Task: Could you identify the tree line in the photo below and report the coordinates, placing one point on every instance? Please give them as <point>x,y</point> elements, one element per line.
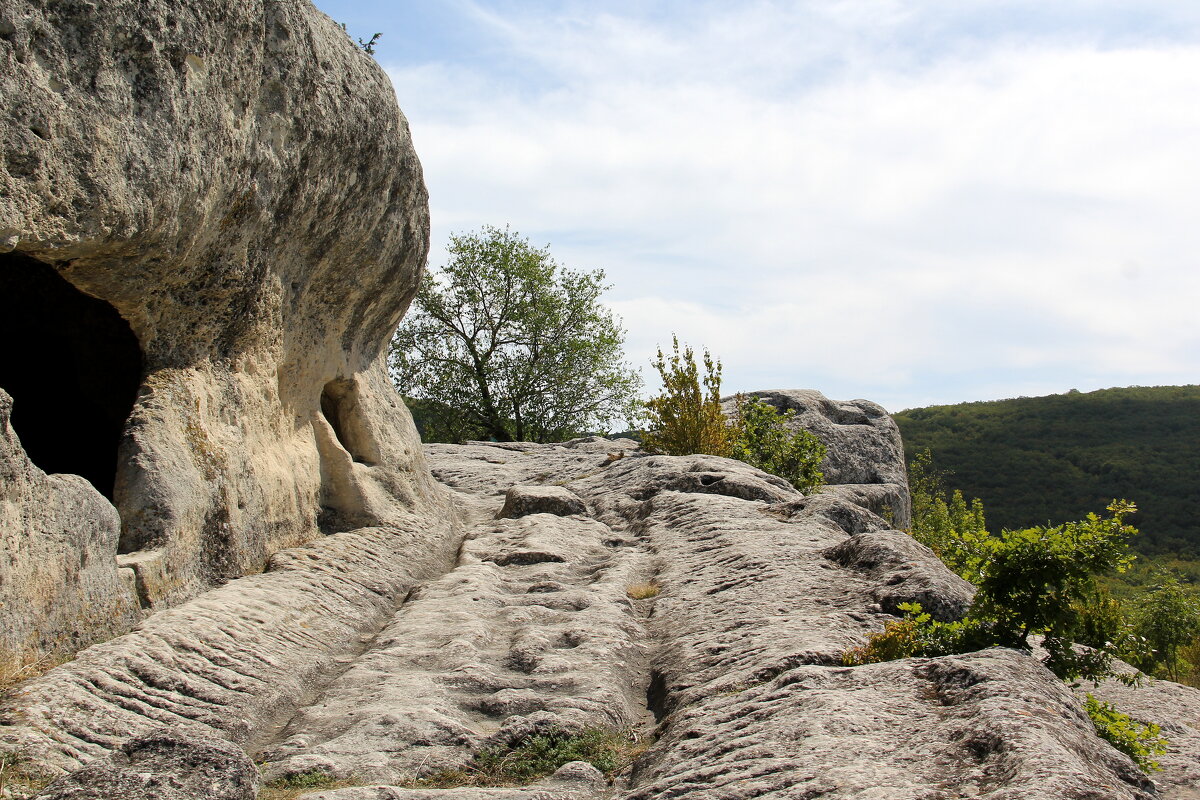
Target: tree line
<point>1032,460</point>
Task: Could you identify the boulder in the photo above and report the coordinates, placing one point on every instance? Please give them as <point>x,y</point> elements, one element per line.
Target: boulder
<point>522,500</point>
<point>905,571</point>
<point>211,220</point>
<point>165,764</point>
<point>862,442</point>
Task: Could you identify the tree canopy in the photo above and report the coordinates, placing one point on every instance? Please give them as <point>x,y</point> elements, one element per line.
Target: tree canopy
<point>1036,459</point>
<point>502,343</point>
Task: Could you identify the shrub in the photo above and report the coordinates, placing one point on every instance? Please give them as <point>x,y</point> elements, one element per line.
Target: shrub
<point>943,521</point>
<point>685,418</point>
<point>1037,581</point>
<point>1141,742</point>
<point>762,437</point>
<point>1168,618</point>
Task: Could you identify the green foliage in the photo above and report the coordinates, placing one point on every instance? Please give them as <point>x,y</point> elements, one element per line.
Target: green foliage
<point>685,418</point>
<point>1167,617</point>
<point>504,344</point>
<point>538,756</point>
<point>764,439</point>
<point>312,779</point>
<point>368,46</point>
<point>1140,742</point>
<point>1034,579</point>
<point>1034,459</point>
<point>956,532</point>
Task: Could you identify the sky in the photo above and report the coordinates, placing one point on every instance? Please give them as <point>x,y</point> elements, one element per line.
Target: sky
<point>915,203</point>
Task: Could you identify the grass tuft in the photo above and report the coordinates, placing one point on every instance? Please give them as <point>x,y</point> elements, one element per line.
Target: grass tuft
<point>292,786</point>
<point>20,778</point>
<point>538,756</point>
<point>643,591</point>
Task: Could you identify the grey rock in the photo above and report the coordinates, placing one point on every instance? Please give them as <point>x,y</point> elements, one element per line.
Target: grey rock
<point>905,571</point>
<point>1176,710</point>
<point>60,587</point>
<point>234,183</point>
<point>863,445</point>
<point>165,764</point>
<point>236,662</point>
<point>520,501</point>
<point>348,658</point>
<point>994,724</point>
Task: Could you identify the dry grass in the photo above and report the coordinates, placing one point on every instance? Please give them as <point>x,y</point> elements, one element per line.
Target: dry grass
<point>14,672</point>
<point>643,591</point>
<point>20,778</point>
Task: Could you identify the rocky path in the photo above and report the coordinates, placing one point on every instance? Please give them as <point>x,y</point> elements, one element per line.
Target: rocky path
<point>361,658</point>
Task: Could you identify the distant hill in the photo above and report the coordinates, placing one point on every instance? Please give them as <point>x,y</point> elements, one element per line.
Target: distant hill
<point>1037,459</point>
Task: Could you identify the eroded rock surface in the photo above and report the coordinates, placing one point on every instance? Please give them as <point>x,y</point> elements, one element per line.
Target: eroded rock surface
<point>211,219</point>
<point>60,589</point>
<point>165,764</point>
<point>864,460</point>
<point>349,660</point>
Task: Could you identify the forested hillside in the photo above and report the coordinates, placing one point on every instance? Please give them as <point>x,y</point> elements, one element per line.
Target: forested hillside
<point>1033,460</point>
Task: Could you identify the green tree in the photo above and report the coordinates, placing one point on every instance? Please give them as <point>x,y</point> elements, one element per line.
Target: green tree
<point>764,438</point>
<point>1168,618</point>
<point>1033,581</point>
<point>955,531</point>
<point>503,343</point>
<point>685,418</point>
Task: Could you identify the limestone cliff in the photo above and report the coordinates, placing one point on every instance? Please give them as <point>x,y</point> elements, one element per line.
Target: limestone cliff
<point>211,219</point>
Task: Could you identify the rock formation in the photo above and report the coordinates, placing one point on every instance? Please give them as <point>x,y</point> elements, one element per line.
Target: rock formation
<point>349,660</point>
<point>211,219</point>
<point>864,460</point>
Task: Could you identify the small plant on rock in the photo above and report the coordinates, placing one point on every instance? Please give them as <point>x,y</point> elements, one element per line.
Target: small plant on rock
<point>643,591</point>
<point>538,756</point>
<point>19,777</point>
<point>685,418</point>
<point>1141,742</point>
<point>292,786</point>
<point>763,438</point>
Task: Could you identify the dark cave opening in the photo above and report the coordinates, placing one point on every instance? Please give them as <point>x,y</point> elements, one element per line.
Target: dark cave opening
<point>72,366</point>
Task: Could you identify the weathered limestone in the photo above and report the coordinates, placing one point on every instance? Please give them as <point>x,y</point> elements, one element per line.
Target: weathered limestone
<point>165,764</point>
<point>520,501</point>
<point>60,589</point>
<point>864,462</point>
<point>234,183</point>
<point>349,659</point>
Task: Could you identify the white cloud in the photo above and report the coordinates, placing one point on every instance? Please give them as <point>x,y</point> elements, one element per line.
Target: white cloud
<point>823,205</point>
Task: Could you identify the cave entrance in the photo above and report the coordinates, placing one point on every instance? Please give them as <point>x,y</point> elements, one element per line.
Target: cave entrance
<point>72,366</point>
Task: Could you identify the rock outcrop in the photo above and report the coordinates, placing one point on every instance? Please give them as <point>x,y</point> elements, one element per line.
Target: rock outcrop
<point>864,460</point>
<point>163,765</point>
<point>349,661</point>
<point>211,219</point>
